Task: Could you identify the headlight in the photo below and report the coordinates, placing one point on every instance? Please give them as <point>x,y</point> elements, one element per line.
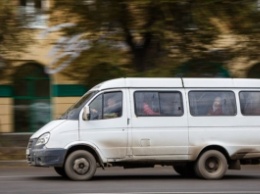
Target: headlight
<point>43,139</point>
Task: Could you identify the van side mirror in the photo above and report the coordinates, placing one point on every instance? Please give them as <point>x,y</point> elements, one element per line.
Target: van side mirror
<point>85,115</point>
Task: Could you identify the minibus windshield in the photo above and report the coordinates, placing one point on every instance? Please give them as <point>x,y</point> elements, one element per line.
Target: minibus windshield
<point>73,112</point>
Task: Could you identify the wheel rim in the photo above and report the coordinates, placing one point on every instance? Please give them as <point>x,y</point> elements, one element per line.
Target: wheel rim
<point>212,164</point>
<point>81,166</point>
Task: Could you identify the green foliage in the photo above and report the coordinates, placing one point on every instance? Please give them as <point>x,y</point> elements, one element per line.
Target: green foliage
<point>84,67</point>
<point>254,72</point>
<point>102,72</point>
<point>13,37</point>
<point>158,33</point>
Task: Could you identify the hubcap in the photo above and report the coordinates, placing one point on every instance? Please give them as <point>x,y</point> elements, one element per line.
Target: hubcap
<point>212,164</point>
<point>81,166</point>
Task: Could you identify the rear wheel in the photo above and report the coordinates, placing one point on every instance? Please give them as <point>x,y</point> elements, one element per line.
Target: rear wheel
<point>80,165</point>
<point>212,164</point>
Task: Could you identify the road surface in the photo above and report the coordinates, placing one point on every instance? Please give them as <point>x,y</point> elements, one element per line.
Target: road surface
<point>158,180</point>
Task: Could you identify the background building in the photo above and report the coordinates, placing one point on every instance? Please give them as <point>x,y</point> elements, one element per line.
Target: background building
<point>34,92</point>
<point>29,95</point>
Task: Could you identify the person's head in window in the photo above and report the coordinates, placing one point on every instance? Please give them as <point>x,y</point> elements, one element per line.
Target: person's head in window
<point>110,102</point>
<point>113,105</point>
<point>216,108</point>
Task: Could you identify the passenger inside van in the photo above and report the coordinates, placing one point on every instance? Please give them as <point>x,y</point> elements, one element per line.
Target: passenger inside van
<point>148,110</point>
<point>105,106</point>
<point>112,109</point>
<point>216,108</point>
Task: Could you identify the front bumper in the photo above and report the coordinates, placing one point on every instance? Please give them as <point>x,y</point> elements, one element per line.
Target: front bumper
<point>45,157</point>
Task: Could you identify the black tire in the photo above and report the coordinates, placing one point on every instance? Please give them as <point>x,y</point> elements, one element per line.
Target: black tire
<point>60,171</point>
<point>212,165</point>
<point>186,170</point>
<point>80,165</point>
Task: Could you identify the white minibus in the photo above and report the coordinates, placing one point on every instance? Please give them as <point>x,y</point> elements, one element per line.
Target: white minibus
<point>200,126</point>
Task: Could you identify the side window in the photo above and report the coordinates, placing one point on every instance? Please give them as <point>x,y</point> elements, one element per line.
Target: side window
<point>250,102</point>
<point>171,104</point>
<point>146,103</point>
<point>112,105</point>
<point>158,103</point>
<point>105,106</point>
<point>212,103</point>
<point>96,108</point>
<point>35,12</point>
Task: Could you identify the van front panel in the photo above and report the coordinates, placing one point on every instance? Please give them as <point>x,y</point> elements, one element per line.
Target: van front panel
<point>107,128</point>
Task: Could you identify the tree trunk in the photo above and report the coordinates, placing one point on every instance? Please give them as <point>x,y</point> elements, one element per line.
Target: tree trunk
<point>139,59</point>
<point>145,54</point>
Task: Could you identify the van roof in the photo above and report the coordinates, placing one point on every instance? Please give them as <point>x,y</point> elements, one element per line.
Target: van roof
<point>130,82</point>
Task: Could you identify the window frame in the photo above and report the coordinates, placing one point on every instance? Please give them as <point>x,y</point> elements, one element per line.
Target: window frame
<point>240,103</point>
<point>158,92</point>
<point>208,91</point>
<point>102,106</point>
<point>35,10</point>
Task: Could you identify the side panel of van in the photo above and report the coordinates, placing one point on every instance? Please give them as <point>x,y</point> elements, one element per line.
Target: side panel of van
<point>160,137</point>
<point>109,135</point>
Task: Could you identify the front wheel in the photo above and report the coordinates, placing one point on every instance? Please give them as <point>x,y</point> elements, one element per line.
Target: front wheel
<point>212,164</point>
<point>80,165</point>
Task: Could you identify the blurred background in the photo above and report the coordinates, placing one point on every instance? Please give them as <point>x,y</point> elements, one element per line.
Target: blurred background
<point>53,51</point>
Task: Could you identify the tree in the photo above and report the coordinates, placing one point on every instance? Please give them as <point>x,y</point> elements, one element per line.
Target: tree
<point>163,30</point>
<point>13,37</point>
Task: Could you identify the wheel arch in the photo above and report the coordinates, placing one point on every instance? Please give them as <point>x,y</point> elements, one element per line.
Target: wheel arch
<point>215,147</point>
<point>88,148</point>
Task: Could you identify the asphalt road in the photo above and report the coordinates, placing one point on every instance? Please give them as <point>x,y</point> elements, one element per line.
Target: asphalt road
<point>32,180</point>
